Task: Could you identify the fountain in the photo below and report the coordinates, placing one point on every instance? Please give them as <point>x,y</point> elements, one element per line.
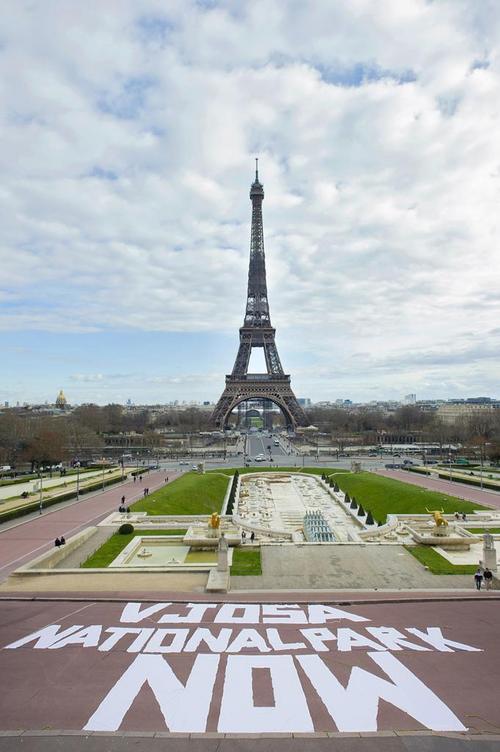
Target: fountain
<point>438,532</point>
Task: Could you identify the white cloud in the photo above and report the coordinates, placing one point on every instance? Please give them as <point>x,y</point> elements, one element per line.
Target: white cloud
<point>127,145</point>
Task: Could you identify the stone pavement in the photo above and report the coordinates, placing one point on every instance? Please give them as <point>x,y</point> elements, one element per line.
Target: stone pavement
<point>382,567</point>
<point>76,558</point>
<point>111,583</point>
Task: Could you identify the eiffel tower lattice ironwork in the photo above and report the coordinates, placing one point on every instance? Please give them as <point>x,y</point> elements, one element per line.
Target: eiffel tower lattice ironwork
<point>258,332</point>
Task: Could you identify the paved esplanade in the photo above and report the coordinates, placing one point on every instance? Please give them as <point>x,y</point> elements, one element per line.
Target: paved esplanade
<point>259,667</point>
<point>25,538</point>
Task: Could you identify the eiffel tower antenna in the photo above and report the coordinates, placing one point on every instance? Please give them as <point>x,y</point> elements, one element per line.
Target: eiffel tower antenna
<point>257,331</point>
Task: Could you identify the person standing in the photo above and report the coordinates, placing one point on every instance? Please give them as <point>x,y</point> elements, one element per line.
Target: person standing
<point>478,578</point>
<point>488,577</point>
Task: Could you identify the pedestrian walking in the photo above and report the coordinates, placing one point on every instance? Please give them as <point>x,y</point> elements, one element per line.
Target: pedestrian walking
<point>457,516</point>
<point>145,492</point>
<point>464,517</point>
<point>252,537</point>
<point>243,536</point>
<point>478,578</point>
<point>135,479</point>
<point>488,577</point>
<point>140,478</point>
<point>123,499</point>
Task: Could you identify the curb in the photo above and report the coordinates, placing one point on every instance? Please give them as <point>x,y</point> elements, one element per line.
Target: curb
<point>465,736</point>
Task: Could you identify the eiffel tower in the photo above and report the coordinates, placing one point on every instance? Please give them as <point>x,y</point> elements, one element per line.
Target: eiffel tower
<point>258,332</point>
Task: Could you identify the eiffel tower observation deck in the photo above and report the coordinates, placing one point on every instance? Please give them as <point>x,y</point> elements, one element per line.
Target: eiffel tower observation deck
<point>257,331</point>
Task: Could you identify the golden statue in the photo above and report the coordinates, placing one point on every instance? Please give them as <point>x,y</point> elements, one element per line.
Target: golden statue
<point>438,517</point>
<point>214,521</point>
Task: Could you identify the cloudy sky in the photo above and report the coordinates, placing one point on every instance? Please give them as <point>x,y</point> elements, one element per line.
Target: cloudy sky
<point>128,132</point>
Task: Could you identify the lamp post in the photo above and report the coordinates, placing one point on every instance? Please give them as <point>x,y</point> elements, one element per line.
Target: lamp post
<point>40,502</point>
<point>103,474</point>
<point>123,468</point>
<point>77,479</point>
<point>449,463</point>
<point>481,464</point>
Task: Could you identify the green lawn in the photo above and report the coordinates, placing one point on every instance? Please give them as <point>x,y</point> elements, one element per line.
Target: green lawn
<point>114,545</point>
<point>192,493</point>
<point>245,562</point>
<point>436,563</point>
<point>385,496</point>
<point>483,530</point>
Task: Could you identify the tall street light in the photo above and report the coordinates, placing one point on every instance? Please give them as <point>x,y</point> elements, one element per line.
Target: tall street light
<point>40,502</point>
<point>77,465</point>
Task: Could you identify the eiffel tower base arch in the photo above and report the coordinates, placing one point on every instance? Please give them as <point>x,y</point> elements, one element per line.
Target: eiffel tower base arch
<point>276,389</point>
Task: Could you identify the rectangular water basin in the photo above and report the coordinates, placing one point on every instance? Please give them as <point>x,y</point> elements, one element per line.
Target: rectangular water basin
<point>157,551</point>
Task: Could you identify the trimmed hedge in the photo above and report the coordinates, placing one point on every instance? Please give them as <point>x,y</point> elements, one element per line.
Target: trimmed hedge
<point>471,481</point>
<point>476,482</point>
<point>126,529</point>
<point>142,471</point>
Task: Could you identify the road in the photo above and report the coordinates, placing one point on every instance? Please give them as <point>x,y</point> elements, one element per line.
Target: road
<point>25,538</point>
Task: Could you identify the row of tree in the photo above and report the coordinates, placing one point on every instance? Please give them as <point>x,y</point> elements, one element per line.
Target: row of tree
<point>36,439</point>
<point>481,430</point>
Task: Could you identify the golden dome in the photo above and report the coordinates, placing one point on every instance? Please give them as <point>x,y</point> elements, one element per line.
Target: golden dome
<point>61,400</point>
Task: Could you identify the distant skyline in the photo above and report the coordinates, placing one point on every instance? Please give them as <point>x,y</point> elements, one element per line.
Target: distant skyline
<point>128,138</point>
